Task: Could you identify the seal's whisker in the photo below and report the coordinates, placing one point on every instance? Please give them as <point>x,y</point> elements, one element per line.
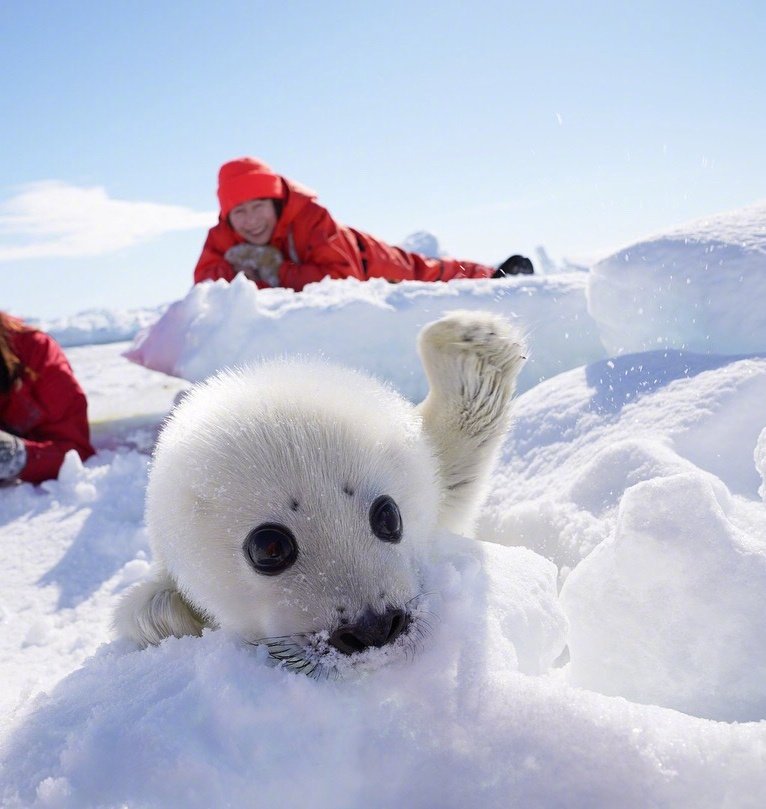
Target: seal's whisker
<point>424,622</point>
<point>422,630</point>
<point>421,595</point>
<point>279,638</point>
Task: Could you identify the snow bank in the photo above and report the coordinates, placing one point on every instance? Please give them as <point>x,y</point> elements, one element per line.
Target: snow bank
<point>696,288</point>
<point>201,723</point>
<point>699,287</point>
<point>370,326</point>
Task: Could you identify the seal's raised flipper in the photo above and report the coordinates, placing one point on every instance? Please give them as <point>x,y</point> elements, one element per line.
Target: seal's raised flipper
<point>471,360</point>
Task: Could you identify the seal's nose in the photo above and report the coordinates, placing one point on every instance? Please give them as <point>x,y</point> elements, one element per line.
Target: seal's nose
<point>371,629</point>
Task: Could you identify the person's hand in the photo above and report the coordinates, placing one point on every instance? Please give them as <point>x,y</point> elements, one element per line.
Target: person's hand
<point>256,262</point>
<point>13,455</point>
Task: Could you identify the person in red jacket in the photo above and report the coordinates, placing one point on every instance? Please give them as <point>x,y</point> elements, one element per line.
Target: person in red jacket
<point>274,231</point>
<point>43,410</point>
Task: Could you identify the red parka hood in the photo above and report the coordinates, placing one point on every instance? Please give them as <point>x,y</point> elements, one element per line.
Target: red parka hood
<point>249,178</point>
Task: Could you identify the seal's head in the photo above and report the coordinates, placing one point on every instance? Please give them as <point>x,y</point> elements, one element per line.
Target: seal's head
<point>294,498</point>
<point>289,502</point>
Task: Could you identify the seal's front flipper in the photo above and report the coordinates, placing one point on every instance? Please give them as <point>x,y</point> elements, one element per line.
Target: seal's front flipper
<point>472,360</point>
<point>154,610</point>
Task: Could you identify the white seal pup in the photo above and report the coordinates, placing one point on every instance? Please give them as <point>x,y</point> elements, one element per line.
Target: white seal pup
<point>291,501</point>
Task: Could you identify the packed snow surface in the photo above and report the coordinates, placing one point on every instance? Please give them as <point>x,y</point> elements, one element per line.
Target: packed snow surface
<point>600,645</point>
<point>693,287</point>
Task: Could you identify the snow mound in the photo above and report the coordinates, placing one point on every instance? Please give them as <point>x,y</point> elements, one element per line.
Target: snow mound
<point>578,442</point>
<point>640,478</point>
<point>186,723</point>
<point>423,242</point>
<point>670,610</point>
<point>698,287</point>
<point>370,326</point>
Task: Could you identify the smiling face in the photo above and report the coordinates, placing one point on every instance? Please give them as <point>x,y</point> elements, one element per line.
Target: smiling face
<point>254,220</point>
<point>281,508</point>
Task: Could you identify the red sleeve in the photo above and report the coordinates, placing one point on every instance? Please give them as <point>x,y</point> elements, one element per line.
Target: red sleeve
<point>212,265</point>
<point>63,418</point>
<point>324,248</point>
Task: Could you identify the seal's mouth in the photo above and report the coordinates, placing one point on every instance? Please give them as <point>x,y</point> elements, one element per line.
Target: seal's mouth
<point>328,654</point>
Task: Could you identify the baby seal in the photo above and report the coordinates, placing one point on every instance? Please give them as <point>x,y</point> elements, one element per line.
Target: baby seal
<point>292,501</point>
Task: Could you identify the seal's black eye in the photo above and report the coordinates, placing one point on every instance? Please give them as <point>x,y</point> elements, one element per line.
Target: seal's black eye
<point>385,519</point>
<point>271,548</point>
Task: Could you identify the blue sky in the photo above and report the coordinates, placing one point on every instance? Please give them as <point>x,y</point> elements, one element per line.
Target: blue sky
<point>498,126</point>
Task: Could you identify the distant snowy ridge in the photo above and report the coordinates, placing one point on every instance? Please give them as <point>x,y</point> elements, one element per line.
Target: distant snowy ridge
<point>427,244</point>
<point>98,326</point>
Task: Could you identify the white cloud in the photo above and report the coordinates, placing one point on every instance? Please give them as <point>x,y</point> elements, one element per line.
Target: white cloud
<point>52,219</point>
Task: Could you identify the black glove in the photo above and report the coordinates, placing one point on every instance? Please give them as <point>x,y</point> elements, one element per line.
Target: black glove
<point>257,262</point>
<point>515,265</point>
<point>13,456</point>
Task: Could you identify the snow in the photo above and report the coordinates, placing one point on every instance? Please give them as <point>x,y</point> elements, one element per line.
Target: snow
<point>682,583</point>
<point>369,325</point>
<point>601,645</point>
<point>423,242</point>
<point>98,325</point>
<point>692,287</point>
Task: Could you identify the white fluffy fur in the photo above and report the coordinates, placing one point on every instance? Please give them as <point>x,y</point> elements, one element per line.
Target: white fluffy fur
<point>243,448</point>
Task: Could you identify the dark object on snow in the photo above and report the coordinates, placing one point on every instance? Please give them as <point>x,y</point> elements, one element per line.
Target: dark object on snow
<point>515,265</point>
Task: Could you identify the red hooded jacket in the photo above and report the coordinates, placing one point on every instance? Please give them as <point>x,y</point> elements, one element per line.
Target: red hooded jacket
<point>313,244</point>
<point>45,407</point>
